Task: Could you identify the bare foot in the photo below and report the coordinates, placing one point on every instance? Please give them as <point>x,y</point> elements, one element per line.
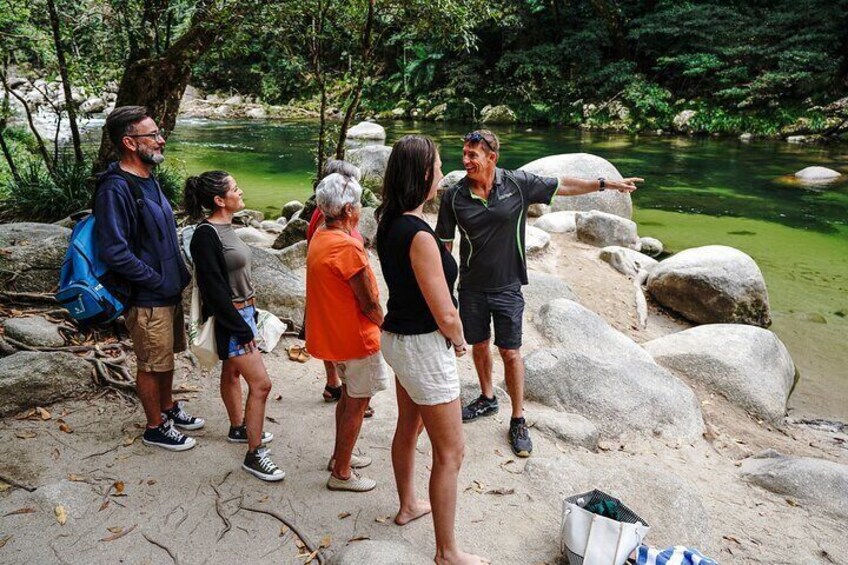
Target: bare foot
<point>461,558</point>
<point>407,515</point>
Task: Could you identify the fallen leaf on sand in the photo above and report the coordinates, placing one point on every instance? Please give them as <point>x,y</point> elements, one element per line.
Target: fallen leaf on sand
<point>116,529</point>
<point>299,543</point>
<point>343,515</point>
<point>61,515</point>
<point>128,441</point>
<point>44,414</point>
<point>358,538</point>
<point>272,419</point>
<point>119,486</point>
<point>284,530</point>
<point>151,482</point>
<point>4,486</point>
<point>278,397</point>
<point>501,491</point>
<point>381,519</point>
<point>76,478</point>
<point>476,486</point>
<point>66,428</point>
<point>791,502</point>
<point>4,540</point>
<point>31,413</point>
<point>325,542</point>
<point>120,534</point>
<point>19,511</point>
<point>25,434</point>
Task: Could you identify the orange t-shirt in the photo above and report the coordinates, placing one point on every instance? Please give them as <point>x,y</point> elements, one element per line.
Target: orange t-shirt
<point>336,329</point>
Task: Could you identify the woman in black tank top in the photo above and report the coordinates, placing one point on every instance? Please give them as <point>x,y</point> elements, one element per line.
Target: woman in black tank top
<point>422,336</point>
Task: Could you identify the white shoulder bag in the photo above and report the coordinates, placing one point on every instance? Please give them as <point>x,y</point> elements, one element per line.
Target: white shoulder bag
<point>201,334</point>
<point>591,539</point>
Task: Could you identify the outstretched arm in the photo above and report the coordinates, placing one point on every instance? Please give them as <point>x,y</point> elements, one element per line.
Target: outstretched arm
<point>569,186</point>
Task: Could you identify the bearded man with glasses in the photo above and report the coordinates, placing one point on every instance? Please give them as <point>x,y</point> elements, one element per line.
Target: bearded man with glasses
<point>137,240</point>
<point>489,206</point>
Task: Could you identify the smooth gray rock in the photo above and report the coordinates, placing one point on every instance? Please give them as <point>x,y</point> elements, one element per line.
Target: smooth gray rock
<point>34,331</point>
<point>367,130</point>
<point>817,174</point>
<point>669,503</point>
<point>290,208</point>
<point>368,226</point>
<point>271,226</point>
<point>821,485</point>
<point>253,236</point>
<point>543,288</point>
<point>293,232</point>
<point>601,230</point>
<point>535,240</point>
<point>282,220</point>
<point>599,373</point>
<point>651,246</point>
<point>256,113</point>
<point>712,284</point>
<point>379,552</point>
<point>501,114</point>
<point>278,289</point>
<point>246,216</point>
<point>31,256</point>
<point>371,161</point>
<point>557,222</point>
<point>34,378</point>
<point>748,365</point>
<point>293,256</point>
<point>573,429</point>
<point>583,166</point>
<point>682,120</point>
<point>627,261</point>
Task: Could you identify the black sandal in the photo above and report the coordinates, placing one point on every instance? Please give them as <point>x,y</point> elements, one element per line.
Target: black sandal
<point>332,393</point>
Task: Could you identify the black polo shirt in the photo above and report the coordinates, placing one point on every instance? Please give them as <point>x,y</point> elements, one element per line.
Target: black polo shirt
<point>491,249</point>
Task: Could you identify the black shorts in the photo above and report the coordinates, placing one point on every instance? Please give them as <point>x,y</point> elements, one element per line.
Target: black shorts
<point>505,308</point>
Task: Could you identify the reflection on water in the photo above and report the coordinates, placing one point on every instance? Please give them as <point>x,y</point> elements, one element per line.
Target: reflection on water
<point>698,191</point>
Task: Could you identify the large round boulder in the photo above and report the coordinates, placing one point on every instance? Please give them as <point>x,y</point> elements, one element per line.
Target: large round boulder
<point>371,161</point>
<point>501,114</point>
<point>367,130</point>
<point>651,246</point>
<point>819,484</point>
<point>543,288</point>
<point>290,208</point>
<point>278,289</point>
<point>368,226</point>
<point>34,378</point>
<point>601,229</point>
<point>711,285</point>
<point>293,232</point>
<point>601,374</point>
<point>573,429</point>
<point>253,236</point>
<point>31,256</point>
<point>748,365</point>
<point>535,240</point>
<point>583,166</point>
<point>34,331</point>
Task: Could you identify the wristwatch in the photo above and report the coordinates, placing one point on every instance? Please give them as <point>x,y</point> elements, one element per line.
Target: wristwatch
<point>602,184</point>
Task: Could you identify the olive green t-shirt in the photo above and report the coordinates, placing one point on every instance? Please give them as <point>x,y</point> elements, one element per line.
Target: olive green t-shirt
<point>237,257</point>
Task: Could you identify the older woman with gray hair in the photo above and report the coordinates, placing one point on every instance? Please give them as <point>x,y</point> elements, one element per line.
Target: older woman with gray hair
<point>343,318</point>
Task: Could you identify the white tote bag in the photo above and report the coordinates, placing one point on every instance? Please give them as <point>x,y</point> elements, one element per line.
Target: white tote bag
<point>201,335</point>
<point>592,539</point>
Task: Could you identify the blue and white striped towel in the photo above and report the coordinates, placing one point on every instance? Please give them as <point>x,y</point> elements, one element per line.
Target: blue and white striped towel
<point>677,555</point>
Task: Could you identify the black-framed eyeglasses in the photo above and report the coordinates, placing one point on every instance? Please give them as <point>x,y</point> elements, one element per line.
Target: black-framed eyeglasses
<point>477,137</point>
<point>163,135</point>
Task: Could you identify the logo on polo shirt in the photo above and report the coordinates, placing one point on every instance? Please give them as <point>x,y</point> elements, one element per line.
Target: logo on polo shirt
<point>505,196</point>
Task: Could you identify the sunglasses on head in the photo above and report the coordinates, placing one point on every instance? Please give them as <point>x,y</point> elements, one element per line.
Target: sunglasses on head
<point>477,137</point>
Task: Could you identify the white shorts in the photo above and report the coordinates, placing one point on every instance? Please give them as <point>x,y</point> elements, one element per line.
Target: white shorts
<point>364,377</point>
<point>425,366</point>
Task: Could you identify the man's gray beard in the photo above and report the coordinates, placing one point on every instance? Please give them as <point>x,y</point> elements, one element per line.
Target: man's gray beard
<point>151,158</point>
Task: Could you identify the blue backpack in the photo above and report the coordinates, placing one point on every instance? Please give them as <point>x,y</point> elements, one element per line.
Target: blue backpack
<point>90,292</point>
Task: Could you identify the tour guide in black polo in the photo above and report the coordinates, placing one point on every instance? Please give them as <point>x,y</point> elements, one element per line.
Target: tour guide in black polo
<point>489,206</point>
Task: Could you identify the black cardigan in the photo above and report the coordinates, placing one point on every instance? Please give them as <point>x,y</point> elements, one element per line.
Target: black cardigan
<point>207,254</point>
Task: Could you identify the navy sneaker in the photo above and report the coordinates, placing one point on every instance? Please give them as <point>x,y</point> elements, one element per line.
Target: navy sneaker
<point>238,434</point>
<point>519,438</point>
<point>183,419</point>
<point>481,406</point>
<point>166,437</point>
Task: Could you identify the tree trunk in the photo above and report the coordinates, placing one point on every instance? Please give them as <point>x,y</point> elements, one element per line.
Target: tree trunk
<point>70,106</point>
<point>364,67</point>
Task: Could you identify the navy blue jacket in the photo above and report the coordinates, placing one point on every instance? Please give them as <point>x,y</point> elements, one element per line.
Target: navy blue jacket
<point>143,251</point>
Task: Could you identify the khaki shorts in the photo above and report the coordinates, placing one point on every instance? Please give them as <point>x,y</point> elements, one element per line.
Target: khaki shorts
<point>364,377</point>
<point>157,333</point>
<point>425,366</point>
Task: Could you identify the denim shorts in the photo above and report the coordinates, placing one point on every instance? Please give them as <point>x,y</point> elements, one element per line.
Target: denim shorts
<point>478,310</point>
<point>236,349</point>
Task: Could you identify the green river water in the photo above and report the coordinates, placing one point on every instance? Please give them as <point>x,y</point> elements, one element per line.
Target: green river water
<point>698,191</point>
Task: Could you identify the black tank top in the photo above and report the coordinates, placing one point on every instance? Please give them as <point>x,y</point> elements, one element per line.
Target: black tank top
<point>408,313</point>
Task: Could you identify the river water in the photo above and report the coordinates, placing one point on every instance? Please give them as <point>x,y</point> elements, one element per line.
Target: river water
<point>698,191</point>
